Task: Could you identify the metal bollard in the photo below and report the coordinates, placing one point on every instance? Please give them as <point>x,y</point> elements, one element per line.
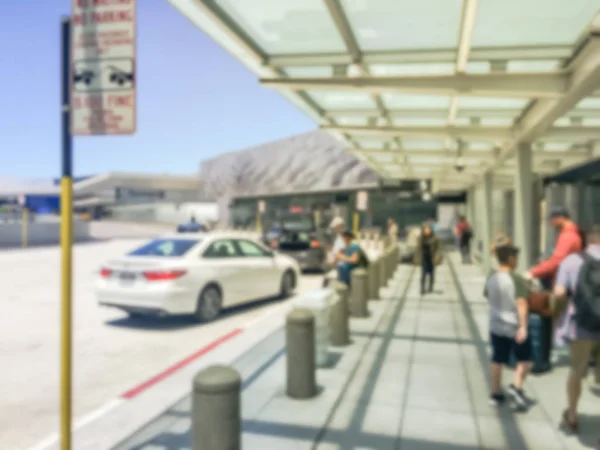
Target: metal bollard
<point>374,279</point>
<point>382,270</point>
<point>300,345</point>
<point>359,293</point>
<point>339,318</point>
<point>216,409</point>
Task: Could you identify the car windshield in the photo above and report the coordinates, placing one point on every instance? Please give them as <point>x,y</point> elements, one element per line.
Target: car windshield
<point>165,248</point>
<point>297,223</point>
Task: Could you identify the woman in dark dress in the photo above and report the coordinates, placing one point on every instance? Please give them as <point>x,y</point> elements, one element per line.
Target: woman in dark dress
<point>427,255</point>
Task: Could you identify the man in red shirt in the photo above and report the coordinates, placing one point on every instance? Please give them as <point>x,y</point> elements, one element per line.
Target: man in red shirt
<point>570,240</point>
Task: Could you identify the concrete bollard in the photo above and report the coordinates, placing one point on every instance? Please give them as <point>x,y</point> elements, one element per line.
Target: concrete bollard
<point>339,317</point>
<point>216,409</point>
<point>382,270</point>
<point>300,345</point>
<point>359,293</point>
<point>374,279</point>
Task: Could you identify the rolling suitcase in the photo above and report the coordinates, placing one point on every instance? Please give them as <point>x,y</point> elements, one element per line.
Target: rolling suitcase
<point>540,335</point>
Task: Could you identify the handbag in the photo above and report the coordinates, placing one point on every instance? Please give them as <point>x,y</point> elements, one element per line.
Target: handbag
<point>539,303</point>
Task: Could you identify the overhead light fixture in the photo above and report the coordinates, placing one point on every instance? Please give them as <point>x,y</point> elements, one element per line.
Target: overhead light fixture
<point>354,70</point>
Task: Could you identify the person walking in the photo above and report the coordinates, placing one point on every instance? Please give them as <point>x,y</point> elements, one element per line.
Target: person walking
<point>427,256</point>
<point>577,285</point>
<point>507,295</point>
<point>464,233</point>
<point>392,231</point>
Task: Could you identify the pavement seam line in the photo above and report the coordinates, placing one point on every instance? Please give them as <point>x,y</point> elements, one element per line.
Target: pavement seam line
<point>350,379</point>
<point>484,362</point>
<point>465,371</point>
<point>411,358</point>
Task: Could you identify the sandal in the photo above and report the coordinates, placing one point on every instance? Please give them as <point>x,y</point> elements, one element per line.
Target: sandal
<point>571,427</point>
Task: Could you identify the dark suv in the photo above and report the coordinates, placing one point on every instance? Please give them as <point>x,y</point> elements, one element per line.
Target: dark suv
<point>296,235</point>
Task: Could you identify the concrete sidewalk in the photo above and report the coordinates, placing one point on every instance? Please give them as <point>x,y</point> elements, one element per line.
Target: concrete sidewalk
<point>413,378</point>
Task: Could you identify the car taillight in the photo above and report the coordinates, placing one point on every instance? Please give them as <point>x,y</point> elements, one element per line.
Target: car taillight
<point>163,275</point>
<point>105,273</point>
<point>315,244</point>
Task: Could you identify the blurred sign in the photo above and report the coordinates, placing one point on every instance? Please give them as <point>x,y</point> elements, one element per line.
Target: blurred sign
<point>362,200</point>
<point>103,62</point>
<point>261,206</point>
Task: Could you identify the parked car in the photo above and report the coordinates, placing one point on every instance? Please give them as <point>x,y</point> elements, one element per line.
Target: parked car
<point>409,246</point>
<point>296,235</point>
<point>198,274</point>
<point>191,227</point>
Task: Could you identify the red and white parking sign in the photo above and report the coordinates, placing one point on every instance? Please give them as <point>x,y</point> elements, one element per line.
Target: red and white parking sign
<point>103,75</point>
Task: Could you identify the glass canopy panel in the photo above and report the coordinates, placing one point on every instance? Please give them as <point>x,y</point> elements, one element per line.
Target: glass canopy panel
<point>300,72</point>
<point>394,24</point>
<point>371,141</point>
<point>531,22</point>
<point>589,103</point>
<point>423,144</point>
<point>532,66</point>
<point>286,27</point>
<point>383,157</point>
<point>411,69</point>
<point>478,67</point>
<point>342,100</point>
<point>491,103</point>
<point>407,101</point>
<point>480,146</point>
<point>555,146</point>
<point>417,121</point>
<point>349,121</point>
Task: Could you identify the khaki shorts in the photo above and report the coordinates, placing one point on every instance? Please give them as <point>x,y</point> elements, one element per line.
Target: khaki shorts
<point>581,353</point>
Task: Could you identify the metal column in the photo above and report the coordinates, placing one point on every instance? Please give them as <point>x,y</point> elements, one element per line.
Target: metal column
<point>555,196</point>
<point>486,219</point>
<point>524,204</point>
<point>509,213</point>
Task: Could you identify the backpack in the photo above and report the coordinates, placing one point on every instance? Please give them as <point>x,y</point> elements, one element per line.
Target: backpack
<point>363,260</point>
<point>587,295</point>
<point>467,233</point>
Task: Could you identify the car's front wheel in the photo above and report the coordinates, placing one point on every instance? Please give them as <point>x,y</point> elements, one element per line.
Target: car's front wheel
<point>288,283</point>
<point>209,304</point>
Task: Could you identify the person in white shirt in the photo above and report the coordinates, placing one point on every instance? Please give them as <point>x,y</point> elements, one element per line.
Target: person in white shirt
<point>337,228</point>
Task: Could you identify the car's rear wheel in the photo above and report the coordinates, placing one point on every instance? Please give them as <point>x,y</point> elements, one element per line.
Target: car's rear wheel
<point>288,283</point>
<point>209,304</point>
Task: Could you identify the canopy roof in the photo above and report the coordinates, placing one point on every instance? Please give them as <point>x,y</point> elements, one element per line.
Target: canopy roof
<point>417,88</point>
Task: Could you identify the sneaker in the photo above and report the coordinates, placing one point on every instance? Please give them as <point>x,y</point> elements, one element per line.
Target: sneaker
<point>497,399</point>
<point>520,397</point>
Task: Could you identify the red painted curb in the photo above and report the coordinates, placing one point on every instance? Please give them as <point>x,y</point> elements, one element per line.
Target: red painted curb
<point>178,366</point>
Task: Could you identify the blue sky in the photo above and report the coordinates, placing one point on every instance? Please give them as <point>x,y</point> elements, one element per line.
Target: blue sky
<point>214,104</point>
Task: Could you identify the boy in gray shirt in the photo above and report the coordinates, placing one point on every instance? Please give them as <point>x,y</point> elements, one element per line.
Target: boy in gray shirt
<point>507,294</point>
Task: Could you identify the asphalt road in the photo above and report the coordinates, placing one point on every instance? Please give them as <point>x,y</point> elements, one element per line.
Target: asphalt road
<point>112,353</point>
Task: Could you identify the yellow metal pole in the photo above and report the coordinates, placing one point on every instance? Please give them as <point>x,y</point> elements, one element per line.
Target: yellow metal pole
<point>259,223</point>
<point>356,223</point>
<point>66,244</point>
<point>24,226</point>
<point>66,240</point>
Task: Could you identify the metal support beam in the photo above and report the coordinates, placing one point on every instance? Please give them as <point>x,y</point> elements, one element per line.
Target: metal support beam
<point>454,132</point>
<point>519,85</point>
<point>442,113</point>
<point>524,204</point>
<point>419,56</point>
<point>476,133</point>
<point>584,80</point>
<point>486,220</point>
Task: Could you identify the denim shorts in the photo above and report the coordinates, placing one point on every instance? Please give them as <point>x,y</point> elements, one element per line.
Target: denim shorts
<point>503,347</point>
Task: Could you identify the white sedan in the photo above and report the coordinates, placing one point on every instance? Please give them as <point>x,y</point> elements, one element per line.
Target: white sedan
<point>195,273</point>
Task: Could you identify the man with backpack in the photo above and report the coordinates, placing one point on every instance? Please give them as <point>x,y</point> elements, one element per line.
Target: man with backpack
<point>578,285</point>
